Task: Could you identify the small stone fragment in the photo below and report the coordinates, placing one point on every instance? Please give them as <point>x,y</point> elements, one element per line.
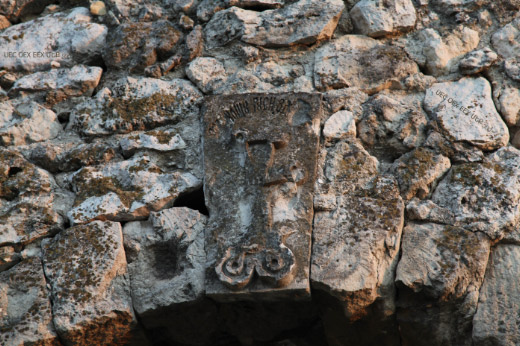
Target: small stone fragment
<point>339,126</point>
<point>512,67</point>
<point>98,8</point>
<point>380,18</point>
<point>477,61</point>
<point>195,43</point>
<point>4,22</point>
<point>186,22</point>
<point>509,105</point>
<point>207,73</point>
<point>419,171</point>
<point>506,40</point>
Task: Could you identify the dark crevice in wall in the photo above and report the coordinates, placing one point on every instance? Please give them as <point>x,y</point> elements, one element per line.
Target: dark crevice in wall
<point>193,200</point>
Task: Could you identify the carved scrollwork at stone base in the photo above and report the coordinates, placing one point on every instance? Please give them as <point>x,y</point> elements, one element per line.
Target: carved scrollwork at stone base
<point>276,267</point>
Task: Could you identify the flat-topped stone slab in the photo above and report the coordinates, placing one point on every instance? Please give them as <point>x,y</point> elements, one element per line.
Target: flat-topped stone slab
<point>260,153</point>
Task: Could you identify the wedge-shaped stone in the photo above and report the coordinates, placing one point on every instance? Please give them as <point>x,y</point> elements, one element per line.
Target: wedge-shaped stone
<point>25,308</point>
<point>260,154</point>
<point>86,268</point>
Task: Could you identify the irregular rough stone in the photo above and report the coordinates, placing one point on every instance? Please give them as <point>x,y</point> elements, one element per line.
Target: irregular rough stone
<point>25,308</point>
<point>441,55</point>
<point>23,122</point>
<point>136,104</point>
<point>134,46</point>
<point>477,61</point>
<point>125,191</point>
<point>439,277</point>
<point>496,320</point>
<point>59,84</point>
<point>392,124</point>
<point>59,31</point>
<point>302,22</point>
<point>262,222</point>
<point>340,125</point>
<point>195,43</point>
<point>426,210</point>
<point>166,260</point>
<point>98,8</point>
<point>379,18</point>
<point>357,61</point>
<point>355,248</point>
<point>86,268</point>
<point>418,172</point>
<point>483,196</point>
<point>15,9</point>
<point>505,41</point>
<point>27,203</point>
<point>207,8</point>
<point>464,112</point>
<point>349,99</point>
<point>68,156</point>
<point>207,73</point>
<point>509,105</point>
<point>512,67</point>
<point>165,140</point>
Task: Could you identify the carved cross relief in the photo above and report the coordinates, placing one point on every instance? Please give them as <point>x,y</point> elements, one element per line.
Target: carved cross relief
<point>260,154</point>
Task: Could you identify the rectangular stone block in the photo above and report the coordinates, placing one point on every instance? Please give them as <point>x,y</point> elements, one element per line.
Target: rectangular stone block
<point>260,154</point>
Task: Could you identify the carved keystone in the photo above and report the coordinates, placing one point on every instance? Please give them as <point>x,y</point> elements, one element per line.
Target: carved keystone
<point>260,153</point>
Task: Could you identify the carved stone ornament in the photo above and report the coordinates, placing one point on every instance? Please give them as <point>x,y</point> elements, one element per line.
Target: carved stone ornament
<point>260,153</point>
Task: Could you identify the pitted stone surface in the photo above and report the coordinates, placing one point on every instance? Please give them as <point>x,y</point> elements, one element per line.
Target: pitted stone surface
<point>86,268</point>
<point>25,306</point>
<point>166,260</point>
<point>259,187</point>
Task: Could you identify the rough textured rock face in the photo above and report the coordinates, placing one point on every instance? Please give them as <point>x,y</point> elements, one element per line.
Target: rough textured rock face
<point>86,268</point>
<point>259,172</point>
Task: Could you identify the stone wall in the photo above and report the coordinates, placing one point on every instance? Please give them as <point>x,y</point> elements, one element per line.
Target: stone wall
<point>259,172</point>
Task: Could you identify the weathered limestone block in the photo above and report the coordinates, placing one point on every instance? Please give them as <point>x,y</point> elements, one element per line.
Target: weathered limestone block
<point>27,201</point>
<point>134,46</point>
<point>357,228</point>
<point>166,260</point>
<point>392,124</point>
<point>484,196</point>
<point>419,171</point>
<point>260,165</point>
<point>59,31</point>
<point>438,277</point>
<point>464,112</point>
<point>59,84</point>
<point>496,321</point>
<point>23,122</point>
<point>477,61</point>
<point>355,247</point>
<point>380,18</point>
<point>440,55</point>
<point>160,140</point>
<point>126,190</point>
<point>86,268</point>
<point>136,104</point>
<point>302,22</point>
<point>512,67</point>
<point>358,61</point>
<point>25,307</point>
<point>426,210</point>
